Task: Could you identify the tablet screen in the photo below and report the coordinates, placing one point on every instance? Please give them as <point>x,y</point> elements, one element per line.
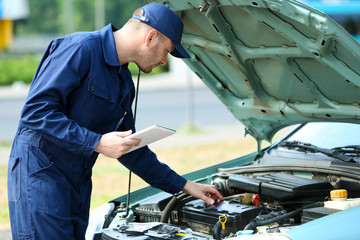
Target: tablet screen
<point>150,135</point>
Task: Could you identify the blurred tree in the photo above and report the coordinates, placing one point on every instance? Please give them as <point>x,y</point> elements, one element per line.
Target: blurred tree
<point>84,15</point>
<point>67,11</point>
<point>99,13</point>
<point>44,18</point>
<point>49,16</point>
<point>118,12</point>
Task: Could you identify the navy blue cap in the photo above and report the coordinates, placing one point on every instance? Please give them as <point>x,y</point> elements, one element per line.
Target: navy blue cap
<point>165,20</point>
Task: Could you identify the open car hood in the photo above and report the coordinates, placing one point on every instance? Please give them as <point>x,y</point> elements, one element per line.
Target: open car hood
<point>273,63</point>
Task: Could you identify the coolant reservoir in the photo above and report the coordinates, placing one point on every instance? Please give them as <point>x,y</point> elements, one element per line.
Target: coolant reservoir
<point>340,201</point>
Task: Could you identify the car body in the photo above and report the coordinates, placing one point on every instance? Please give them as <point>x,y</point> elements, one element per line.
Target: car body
<point>274,64</point>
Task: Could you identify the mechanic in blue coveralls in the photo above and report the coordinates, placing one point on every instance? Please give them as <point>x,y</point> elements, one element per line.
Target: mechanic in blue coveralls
<point>79,105</point>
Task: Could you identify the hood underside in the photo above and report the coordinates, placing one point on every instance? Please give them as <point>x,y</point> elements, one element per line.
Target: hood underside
<point>273,63</point>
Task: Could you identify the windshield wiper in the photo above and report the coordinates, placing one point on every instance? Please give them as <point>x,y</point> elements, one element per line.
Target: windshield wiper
<point>353,150</point>
<point>308,147</point>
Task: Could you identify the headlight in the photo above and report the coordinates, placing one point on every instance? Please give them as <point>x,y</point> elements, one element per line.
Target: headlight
<point>97,219</point>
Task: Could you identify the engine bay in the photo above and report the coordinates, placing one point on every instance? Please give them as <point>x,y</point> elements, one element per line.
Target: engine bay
<point>254,203</point>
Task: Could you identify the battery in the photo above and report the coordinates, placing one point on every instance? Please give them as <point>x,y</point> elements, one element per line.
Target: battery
<point>204,216</point>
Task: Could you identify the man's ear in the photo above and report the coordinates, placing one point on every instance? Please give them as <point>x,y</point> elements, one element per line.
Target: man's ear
<point>150,37</point>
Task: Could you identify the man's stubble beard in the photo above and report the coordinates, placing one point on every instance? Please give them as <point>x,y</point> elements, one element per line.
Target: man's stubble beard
<point>143,60</point>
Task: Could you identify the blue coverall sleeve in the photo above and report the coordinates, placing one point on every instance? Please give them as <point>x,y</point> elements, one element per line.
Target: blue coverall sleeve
<point>60,71</point>
<point>144,163</point>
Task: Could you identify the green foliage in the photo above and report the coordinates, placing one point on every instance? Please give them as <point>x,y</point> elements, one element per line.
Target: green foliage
<point>45,17</point>
<point>49,16</point>
<point>18,69</point>
<point>118,12</point>
<point>23,68</point>
<point>84,15</point>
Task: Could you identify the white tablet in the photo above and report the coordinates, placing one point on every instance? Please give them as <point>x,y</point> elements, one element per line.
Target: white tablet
<point>150,134</point>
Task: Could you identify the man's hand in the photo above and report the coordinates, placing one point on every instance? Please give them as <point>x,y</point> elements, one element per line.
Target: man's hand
<point>114,144</point>
<point>208,193</point>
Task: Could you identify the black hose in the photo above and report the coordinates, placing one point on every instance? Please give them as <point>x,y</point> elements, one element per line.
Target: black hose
<point>253,224</point>
<point>170,207</point>
<point>219,228</point>
<point>217,231</point>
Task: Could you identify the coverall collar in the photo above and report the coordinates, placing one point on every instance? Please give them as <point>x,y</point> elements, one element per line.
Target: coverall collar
<point>108,45</point>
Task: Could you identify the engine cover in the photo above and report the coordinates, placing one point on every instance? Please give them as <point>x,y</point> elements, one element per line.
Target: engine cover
<point>280,186</point>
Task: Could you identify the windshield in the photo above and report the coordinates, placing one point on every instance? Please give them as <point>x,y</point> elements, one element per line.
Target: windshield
<point>350,23</point>
<point>328,135</point>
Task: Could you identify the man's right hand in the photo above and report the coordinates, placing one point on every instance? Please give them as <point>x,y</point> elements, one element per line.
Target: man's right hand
<point>114,144</point>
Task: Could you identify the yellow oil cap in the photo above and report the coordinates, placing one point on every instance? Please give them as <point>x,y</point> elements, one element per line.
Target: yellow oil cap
<point>339,193</point>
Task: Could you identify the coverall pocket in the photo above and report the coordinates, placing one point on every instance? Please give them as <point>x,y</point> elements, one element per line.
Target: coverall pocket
<point>38,161</point>
<point>97,88</point>
<point>14,179</point>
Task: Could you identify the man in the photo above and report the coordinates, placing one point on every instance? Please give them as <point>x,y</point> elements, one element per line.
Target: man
<point>79,105</point>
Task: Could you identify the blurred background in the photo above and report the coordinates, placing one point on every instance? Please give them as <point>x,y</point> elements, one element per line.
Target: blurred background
<point>171,95</point>
<point>27,26</point>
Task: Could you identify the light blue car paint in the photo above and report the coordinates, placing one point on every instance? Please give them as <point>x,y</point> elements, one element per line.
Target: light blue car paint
<point>342,225</point>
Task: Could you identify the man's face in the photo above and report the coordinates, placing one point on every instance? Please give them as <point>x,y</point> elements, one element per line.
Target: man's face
<point>155,54</point>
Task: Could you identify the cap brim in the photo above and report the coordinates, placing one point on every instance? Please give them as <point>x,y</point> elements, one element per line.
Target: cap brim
<point>179,51</point>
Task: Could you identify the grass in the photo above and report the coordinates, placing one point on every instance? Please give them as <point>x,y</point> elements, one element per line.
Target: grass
<point>110,179</point>
<point>5,144</point>
<point>4,214</point>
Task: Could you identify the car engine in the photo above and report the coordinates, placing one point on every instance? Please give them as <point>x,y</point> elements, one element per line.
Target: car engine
<point>271,202</point>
